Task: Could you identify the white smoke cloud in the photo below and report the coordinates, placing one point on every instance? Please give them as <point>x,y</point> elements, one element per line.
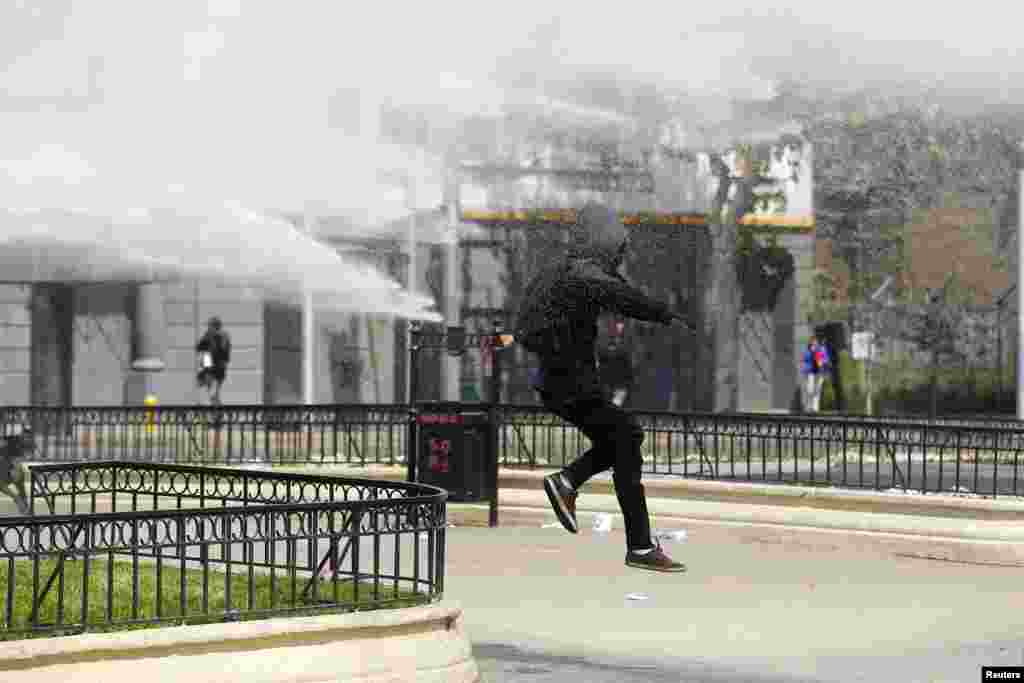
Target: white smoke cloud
<point>231,100</point>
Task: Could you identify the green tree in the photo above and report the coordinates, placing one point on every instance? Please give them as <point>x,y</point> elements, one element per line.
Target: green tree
<point>872,172</point>
<point>935,328</point>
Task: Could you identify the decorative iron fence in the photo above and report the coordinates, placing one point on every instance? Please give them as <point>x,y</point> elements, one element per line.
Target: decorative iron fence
<point>927,457</point>
<point>948,455</point>
<point>1000,421</point>
<point>127,544</point>
<point>356,433</point>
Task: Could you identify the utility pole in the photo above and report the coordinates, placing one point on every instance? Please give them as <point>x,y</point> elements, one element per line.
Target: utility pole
<point>873,326</point>
<point>1020,275</point>
<point>452,305</point>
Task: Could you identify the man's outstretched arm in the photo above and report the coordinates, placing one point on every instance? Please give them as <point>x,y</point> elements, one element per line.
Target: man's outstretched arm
<point>614,293</point>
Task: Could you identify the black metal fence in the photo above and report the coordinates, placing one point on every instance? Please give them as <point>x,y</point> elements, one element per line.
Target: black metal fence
<point>127,544</point>
<point>911,455</point>
<point>357,433</point>
<point>951,455</point>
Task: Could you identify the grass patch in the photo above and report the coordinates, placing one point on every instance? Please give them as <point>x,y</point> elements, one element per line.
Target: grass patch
<point>265,597</point>
<point>903,387</point>
<point>526,443</point>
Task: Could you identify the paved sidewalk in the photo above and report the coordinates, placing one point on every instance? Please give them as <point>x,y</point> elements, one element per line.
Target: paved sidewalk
<point>756,605</point>
<point>521,507</point>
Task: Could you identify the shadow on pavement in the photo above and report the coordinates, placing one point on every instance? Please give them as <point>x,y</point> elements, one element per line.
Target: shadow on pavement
<point>501,663</point>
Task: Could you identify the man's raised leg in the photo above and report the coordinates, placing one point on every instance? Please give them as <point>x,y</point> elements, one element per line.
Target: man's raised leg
<point>617,441</point>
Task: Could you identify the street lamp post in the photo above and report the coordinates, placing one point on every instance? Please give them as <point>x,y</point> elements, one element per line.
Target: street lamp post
<point>1020,273</point>
<point>452,304</point>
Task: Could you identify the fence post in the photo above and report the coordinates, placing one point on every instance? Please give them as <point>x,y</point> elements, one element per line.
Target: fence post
<point>335,420</point>
<point>32,492</point>
<point>494,400</point>
<point>412,454</point>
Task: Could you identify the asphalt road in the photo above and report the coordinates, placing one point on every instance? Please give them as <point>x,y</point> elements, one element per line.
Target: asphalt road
<point>501,663</point>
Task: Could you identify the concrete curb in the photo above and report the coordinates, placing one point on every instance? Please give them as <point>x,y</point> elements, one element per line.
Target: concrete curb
<point>956,549</point>
<point>748,493</point>
<point>411,644</point>
<point>664,512</point>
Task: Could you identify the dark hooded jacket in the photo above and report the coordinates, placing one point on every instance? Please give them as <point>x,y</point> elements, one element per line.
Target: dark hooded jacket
<point>616,368</point>
<point>561,305</point>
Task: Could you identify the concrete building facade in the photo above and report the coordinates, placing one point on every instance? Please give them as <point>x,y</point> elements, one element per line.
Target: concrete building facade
<point>113,343</point>
<point>80,343</point>
<point>104,340</point>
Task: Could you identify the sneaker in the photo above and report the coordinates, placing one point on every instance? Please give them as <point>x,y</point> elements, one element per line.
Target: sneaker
<point>656,560</point>
<point>563,501</point>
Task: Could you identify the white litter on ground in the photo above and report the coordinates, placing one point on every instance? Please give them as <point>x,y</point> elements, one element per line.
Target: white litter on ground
<point>636,596</point>
<point>553,525</point>
<point>602,523</point>
<point>960,492</point>
<point>677,536</point>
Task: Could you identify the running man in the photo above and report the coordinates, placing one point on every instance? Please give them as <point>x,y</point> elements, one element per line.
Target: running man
<point>558,322</point>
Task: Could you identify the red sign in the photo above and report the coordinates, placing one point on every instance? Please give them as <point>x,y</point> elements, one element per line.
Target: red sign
<point>439,451</point>
<point>439,419</point>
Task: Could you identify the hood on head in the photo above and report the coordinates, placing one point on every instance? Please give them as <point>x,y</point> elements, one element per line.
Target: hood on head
<point>598,234</point>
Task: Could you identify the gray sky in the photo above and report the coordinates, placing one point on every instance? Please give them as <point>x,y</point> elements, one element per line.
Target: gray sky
<point>303,46</point>
<point>230,97</point>
<point>245,85</point>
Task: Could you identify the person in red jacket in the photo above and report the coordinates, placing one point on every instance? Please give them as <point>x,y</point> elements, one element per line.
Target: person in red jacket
<point>815,366</point>
<point>558,322</point>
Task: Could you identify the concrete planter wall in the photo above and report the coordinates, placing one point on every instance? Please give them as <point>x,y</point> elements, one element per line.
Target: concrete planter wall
<point>422,644</point>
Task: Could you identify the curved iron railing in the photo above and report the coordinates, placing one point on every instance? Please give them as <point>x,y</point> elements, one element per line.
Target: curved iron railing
<point>124,544</point>
<point>950,455</point>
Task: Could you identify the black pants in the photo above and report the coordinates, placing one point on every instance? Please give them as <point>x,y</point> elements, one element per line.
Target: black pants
<point>616,438</point>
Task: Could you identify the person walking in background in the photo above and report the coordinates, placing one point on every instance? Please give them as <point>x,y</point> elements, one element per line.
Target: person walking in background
<point>558,322</point>
<point>616,368</point>
<point>214,349</point>
<point>814,366</point>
